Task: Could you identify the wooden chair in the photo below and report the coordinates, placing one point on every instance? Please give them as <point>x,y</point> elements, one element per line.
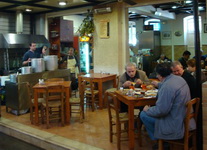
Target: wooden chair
<point>91,94</point>
<point>78,102</point>
<point>40,100</point>
<point>117,119</point>
<point>111,90</point>
<point>53,107</point>
<point>189,134</point>
<point>55,79</point>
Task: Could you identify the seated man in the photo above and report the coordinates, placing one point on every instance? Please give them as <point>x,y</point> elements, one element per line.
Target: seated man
<point>177,69</point>
<point>134,77</point>
<point>165,119</point>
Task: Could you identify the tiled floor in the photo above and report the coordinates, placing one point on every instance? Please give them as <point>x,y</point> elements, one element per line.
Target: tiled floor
<point>93,131</point>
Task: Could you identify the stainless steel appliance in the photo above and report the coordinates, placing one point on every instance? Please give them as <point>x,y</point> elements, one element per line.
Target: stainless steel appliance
<point>149,47</point>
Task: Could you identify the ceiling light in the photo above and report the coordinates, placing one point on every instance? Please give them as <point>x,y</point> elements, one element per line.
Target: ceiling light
<point>188,1</point>
<point>158,13</point>
<point>28,9</point>
<point>62,3</point>
<point>200,8</point>
<point>174,7</point>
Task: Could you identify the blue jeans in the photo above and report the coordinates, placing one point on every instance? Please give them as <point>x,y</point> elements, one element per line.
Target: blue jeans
<point>149,123</point>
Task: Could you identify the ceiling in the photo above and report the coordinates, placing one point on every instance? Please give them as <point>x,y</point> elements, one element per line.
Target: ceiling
<point>46,6</point>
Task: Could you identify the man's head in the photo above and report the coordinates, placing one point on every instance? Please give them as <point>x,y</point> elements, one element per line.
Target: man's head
<point>32,46</point>
<point>44,49</point>
<point>130,69</point>
<point>71,51</point>
<point>163,70</point>
<point>186,55</point>
<point>162,56</point>
<point>177,68</point>
<point>191,65</point>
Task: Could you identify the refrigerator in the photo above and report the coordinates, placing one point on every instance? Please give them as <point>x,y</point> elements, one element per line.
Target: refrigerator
<point>150,49</point>
<point>85,54</point>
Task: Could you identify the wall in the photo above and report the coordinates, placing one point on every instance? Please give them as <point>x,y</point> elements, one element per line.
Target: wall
<point>111,54</point>
<point>174,46</point>
<point>8,23</point>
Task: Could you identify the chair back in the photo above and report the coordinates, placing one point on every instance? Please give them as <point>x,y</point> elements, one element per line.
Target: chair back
<point>55,79</point>
<point>191,113</point>
<point>117,81</point>
<point>113,108</point>
<point>54,92</point>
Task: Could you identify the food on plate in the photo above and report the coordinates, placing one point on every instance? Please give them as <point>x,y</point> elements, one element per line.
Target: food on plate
<point>150,87</point>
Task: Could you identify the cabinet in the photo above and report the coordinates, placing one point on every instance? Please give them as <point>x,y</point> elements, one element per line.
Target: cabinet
<point>60,35</point>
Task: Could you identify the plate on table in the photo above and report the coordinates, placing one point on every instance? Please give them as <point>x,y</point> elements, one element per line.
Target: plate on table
<point>137,89</point>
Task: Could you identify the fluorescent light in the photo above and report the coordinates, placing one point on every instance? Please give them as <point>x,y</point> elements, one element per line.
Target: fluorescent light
<point>28,9</point>
<point>62,3</point>
<point>174,7</point>
<point>188,1</point>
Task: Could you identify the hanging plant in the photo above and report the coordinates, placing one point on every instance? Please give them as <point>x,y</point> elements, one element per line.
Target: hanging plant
<point>87,26</point>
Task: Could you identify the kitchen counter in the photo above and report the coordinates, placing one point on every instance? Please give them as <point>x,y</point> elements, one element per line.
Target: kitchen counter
<point>16,95</point>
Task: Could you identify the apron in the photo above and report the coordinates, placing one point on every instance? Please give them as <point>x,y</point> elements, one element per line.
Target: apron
<point>71,65</point>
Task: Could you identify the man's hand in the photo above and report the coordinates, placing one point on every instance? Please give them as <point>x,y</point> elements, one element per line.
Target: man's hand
<point>138,81</point>
<point>155,83</point>
<point>146,108</point>
<point>127,84</point>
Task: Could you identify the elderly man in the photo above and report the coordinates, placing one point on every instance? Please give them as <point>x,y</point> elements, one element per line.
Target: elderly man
<point>132,76</point>
<point>177,69</point>
<point>165,119</point>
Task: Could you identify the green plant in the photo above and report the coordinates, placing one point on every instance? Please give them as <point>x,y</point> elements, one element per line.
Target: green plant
<point>87,26</point>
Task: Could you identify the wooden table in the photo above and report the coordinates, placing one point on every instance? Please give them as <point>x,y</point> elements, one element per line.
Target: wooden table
<point>40,88</point>
<point>99,78</point>
<point>131,102</point>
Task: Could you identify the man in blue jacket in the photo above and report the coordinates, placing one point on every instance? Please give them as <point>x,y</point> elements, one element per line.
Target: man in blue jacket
<point>165,119</point>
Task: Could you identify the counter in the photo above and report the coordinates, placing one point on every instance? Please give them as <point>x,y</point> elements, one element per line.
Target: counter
<point>16,96</point>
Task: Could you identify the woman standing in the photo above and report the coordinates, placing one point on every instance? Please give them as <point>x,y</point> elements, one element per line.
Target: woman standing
<point>72,64</point>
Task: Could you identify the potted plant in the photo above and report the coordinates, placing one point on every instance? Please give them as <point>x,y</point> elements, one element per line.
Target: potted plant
<point>87,26</point>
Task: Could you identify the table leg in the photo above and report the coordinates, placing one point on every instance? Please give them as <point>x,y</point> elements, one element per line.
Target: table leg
<point>36,117</point>
<point>131,126</point>
<point>67,106</point>
<point>100,94</point>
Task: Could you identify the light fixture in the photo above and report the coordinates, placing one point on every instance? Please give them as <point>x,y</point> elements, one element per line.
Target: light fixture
<point>62,3</point>
<point>188,1</point>
<point>28,9</point>
<point>174,7</point>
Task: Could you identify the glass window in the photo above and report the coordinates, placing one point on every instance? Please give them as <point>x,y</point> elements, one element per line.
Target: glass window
<point>132,33</point>
<point>154,22</point>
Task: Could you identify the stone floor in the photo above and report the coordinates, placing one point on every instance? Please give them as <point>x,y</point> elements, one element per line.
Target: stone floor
<point>92,134</point>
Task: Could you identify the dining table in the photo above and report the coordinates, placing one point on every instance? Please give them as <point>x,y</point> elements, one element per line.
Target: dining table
<point>39,89</point>
<point>131,102</point>
<point>99,78</point>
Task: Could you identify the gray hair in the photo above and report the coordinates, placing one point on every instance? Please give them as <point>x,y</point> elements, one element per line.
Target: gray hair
<point>130,64</point>
<point>176,63</point>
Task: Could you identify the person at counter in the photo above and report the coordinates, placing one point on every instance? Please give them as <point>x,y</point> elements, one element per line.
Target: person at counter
<point>72,61</point>
<point>72,64</point>
<point>29,54</point>
<point>165,119</point>
<point>41,52</point>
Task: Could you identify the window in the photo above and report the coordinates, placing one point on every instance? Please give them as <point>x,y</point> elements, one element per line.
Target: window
<point>132,33</point>
<point>154,22</point>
